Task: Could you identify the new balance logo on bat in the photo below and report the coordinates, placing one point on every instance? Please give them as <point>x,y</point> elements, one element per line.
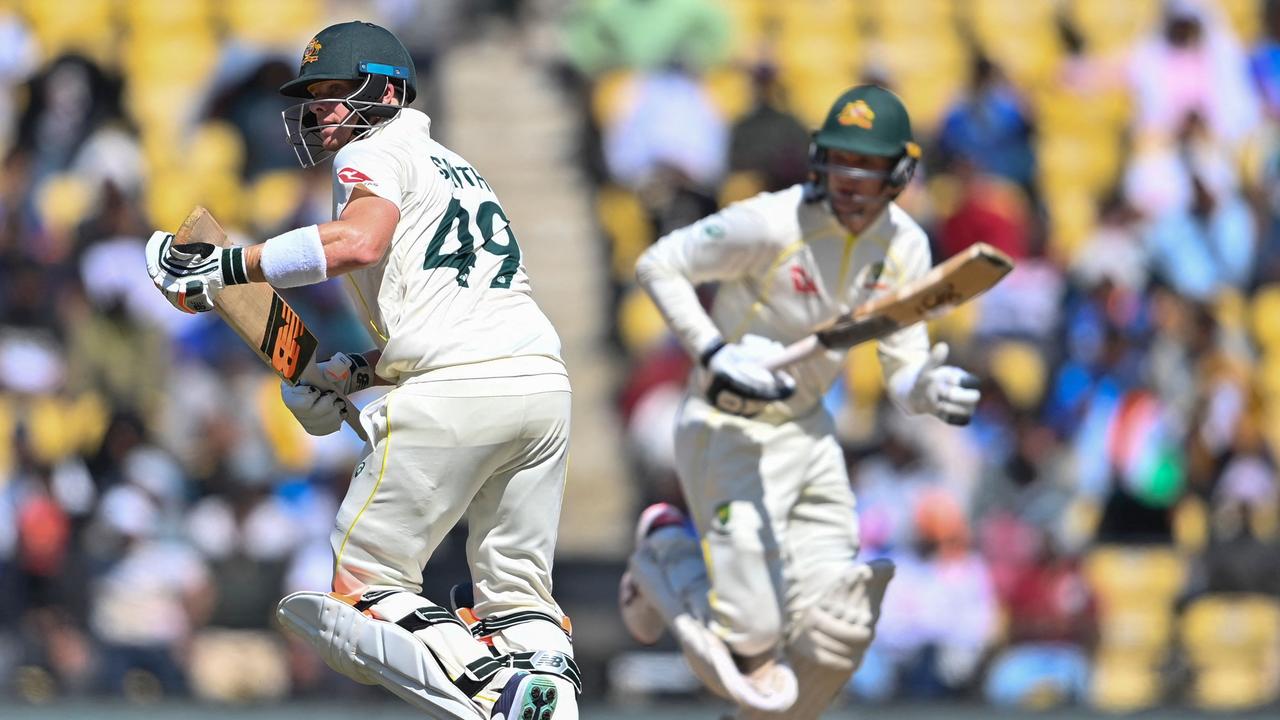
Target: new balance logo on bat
<point>286,341</point>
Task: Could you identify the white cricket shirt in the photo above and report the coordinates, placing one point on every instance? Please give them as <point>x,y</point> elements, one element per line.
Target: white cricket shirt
<point>451,297</point>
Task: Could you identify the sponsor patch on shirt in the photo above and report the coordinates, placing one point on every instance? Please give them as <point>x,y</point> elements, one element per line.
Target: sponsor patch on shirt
<point>802,281</point>
<point>350,176</point>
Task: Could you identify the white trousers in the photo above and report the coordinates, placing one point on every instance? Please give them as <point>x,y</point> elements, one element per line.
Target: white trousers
<point>773,507</point>
<point>491,451</point>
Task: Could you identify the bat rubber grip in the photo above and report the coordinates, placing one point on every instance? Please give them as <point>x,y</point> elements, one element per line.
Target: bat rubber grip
<point>795,352</point>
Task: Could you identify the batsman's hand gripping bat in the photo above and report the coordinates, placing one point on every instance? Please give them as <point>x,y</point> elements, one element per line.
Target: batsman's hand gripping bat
<point>262,318</point>
<point>958,280</point>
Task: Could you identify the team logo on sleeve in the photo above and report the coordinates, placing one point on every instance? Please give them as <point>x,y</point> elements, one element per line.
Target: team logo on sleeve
<point>350,176</point>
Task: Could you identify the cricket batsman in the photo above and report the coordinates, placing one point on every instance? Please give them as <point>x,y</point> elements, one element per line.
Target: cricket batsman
<point>476,425</point>
<point>768,601</point>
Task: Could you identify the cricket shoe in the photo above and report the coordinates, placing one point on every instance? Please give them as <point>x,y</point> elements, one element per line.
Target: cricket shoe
<point>641,617</point>
<point>527,696</point>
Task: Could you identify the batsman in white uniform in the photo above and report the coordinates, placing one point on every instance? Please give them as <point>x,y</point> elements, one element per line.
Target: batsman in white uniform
<point>768,600</point>
<point>476,426</point>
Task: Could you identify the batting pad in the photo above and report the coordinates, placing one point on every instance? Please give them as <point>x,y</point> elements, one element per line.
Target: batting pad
<point>375,652</point>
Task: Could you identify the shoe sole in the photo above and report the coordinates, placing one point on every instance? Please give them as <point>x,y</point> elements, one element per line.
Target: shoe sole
<point>538,699</point>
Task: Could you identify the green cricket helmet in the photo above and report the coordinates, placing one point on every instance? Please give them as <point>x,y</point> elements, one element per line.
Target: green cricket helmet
<point>868,120</point>
<point>361,52</point>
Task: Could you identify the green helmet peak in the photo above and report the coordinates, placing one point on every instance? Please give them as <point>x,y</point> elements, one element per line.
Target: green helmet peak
<point>354,51</point>
<point>870,120</point>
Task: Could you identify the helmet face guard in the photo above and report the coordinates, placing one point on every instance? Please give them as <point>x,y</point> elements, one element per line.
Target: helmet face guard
<point>304,131</point>
<point>894,180</point>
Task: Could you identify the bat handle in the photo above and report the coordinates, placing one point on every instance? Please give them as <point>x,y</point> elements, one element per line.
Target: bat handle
<point>353,421</point>
<point>795,352</point>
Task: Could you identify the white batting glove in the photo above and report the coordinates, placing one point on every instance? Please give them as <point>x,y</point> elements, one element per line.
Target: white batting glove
<point>346,374</point>
<point>320,412</point>
<point>190,276</point>
<point>944,391</point>
<point>740,384</point>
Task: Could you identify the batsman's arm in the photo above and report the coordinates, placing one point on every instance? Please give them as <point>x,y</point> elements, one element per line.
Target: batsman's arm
<point>730,244</point>
<point>358,239</point>
<point>901,350</point>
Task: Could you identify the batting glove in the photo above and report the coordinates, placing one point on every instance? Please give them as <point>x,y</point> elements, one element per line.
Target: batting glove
<point>944,391</point>
<point>346,374</point>
<point>740,384</point>
<point>320,412</point>
<point>190,276</point>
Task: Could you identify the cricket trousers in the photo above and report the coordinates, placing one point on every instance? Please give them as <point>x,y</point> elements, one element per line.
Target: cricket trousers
<point>492,451</point>
<point>775,514</point>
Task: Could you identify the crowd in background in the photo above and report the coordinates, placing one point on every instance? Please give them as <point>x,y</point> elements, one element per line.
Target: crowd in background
<point>1107,531</point>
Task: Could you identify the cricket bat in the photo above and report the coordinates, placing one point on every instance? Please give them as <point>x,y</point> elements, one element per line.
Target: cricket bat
<point>262,318</point>
<point>955,282</point>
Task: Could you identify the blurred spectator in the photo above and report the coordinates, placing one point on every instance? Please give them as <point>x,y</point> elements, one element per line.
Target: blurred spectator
<point>252,104</point>
<point>991,128</point>
<point>1050,631</point>
<point>1243,554</point>
<point>888,485</point>
<point>669,122</point>
<point>646,34</point>
<point>247,537</point>
<point>1200,232</point>
<point>18,59</point>
<point>1264,61</point>
<point>989,209</point>
<point>939,615</point>
<point>147,602</point>
<point>68,101</point>
<point>768,140</point>
<point>1194,65</point>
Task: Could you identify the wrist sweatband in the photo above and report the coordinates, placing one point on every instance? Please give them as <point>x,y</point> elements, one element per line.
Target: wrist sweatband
<point>712,349</point>
<point>294,258</point>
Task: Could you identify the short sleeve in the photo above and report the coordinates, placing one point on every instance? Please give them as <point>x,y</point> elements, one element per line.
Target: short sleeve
<point>361,164</point>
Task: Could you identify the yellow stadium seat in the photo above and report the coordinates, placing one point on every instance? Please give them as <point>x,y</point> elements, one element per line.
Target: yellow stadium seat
<point>626,223</point>
<point>730,90</point>
<point>167,16</point>
<point>611,95</point>
<point>1020,371</point>
<point>1117,572</point>
<point>216,147</point>
<point>64,201</point>
<point>1190,524</point>
<point>740,185</point>
<point>1244,17</point>
<point>83,26</point>
<point>1136,630</point>
<point>286,438</point>
<point>272,199</point>
<point>223,193</point>
<point>1233,645</point>
<point>906,18</point>
<point>1072,218</point>
<point>1136,587</point>
<point>8,415</point>
<point>864,376</point>
<point>1111,25</point>
<point>1120,686</point>
<point>1263,311</point>
<point>179,58</point>
<point>170,196</point>
<point>282,24</point>
<point>639,322</point>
